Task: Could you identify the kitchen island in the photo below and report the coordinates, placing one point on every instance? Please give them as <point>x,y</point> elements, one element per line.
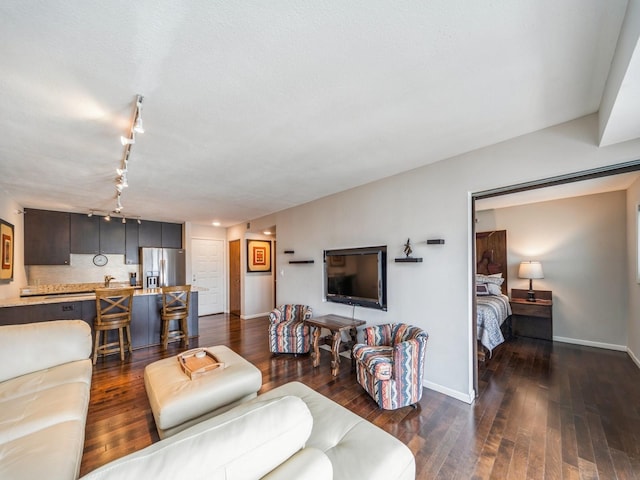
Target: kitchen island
<point>145,318</point>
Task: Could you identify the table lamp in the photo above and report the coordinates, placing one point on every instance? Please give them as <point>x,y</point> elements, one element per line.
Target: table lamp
<point>530,270</point>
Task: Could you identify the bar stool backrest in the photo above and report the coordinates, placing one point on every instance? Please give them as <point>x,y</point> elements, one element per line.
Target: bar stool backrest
<point>113,307</point>
<point>175,300</point>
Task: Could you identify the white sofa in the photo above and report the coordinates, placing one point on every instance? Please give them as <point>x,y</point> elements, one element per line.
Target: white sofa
<point>289,432</point>
<point>45,382</point>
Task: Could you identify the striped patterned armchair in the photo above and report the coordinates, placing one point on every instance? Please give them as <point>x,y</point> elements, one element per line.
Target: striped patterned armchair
<point>287,332</point>
<point>390,364</point>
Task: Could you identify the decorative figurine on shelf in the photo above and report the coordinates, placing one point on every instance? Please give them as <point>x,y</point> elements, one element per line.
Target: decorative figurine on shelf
<point>407,248</point>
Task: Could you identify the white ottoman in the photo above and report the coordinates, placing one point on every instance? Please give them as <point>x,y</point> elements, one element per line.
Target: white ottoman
<point>178,402</point>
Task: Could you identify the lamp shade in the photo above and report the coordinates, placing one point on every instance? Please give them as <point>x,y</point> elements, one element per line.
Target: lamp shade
<point>530,270</point>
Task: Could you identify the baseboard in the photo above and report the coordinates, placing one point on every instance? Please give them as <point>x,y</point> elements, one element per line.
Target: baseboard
<point>463,397</point>
<point>588,343</point>
<point>633,357</point>
<point>255,315</point>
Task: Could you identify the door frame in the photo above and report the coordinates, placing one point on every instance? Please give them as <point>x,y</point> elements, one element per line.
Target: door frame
<point>606,171</point>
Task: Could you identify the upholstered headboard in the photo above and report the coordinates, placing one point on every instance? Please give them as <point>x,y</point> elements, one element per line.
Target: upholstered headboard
<point>491,254</point>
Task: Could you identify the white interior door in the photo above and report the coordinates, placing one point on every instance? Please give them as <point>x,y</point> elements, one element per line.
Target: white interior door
<point>207,267</point>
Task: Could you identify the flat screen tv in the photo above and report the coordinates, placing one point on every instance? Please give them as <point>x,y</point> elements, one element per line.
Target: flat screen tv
<point>357,276</point>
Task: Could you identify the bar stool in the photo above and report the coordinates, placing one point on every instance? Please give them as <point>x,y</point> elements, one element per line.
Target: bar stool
<point>113,309</point>
<point>175,306</point>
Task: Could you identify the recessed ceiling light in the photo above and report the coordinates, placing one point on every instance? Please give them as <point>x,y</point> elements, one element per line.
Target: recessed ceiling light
<point>267,232</point>
<point>215,224</point>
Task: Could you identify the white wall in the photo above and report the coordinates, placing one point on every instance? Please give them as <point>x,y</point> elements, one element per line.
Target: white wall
<point>257,288</point>
<point>633,322</point>
<point>430,202</point>
<point>9,213</point>
<point>581,243</point>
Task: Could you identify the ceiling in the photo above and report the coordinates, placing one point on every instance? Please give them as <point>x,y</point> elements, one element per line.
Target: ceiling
<point>253,107</point>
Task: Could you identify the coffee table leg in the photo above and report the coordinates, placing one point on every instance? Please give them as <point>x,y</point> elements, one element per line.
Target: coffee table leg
<point>315,355</point>
<point>335,353</point>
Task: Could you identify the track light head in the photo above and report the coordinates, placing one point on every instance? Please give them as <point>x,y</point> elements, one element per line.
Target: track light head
<point>108,217</point>
<point>139,221</point>
<point>90,214</point>
<point>124,220</point>
<point>127,141</point>
<point>138,128</point>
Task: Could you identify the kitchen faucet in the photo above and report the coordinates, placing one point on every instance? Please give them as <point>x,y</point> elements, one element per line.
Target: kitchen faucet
<point>107,280</point>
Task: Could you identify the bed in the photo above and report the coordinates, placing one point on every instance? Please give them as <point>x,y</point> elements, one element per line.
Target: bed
<point>493,311</point>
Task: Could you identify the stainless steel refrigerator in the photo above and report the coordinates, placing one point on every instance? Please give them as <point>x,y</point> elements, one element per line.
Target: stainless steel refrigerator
<point>163,267</point>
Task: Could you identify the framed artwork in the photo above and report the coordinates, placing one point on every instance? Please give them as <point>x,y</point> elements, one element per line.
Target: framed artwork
<point>258,256</point>
<point>6,251</point>
<point>336,261</point>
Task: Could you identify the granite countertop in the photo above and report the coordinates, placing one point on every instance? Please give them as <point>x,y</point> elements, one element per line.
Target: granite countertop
<point>66,288</point>
<point>40,299</point>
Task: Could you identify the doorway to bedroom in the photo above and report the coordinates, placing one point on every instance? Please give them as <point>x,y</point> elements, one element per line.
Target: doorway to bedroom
<point>569,247</point>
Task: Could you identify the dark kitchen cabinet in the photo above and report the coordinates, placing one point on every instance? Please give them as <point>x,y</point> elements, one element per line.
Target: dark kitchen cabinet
<point>132,246</point>
<point>172,235</point>
<point>95,235</point>
<point>150,234</point>
<point>85,233</point>
<point>40,313</point>
<point>46,237</point>
<point>112,236</point>
<point>160,234</point>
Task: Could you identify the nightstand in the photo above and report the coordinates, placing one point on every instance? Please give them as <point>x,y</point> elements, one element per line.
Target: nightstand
<point>532,319</point>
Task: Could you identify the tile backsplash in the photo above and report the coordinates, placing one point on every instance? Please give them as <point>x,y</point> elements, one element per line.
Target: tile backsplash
<point>81,270</point>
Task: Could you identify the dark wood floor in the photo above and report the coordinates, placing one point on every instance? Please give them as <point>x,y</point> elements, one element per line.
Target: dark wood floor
<point>546,410</point>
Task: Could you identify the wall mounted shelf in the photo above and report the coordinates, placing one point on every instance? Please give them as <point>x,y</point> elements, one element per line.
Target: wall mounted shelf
<point>296,262</point>
<point>409,260</point>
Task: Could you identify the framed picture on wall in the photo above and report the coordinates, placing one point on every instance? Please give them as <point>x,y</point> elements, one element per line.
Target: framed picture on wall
<point>6,251</point>
<point>258,256</point>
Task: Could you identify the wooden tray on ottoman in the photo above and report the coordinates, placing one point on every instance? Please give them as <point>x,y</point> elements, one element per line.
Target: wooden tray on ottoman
<point>195,366</point>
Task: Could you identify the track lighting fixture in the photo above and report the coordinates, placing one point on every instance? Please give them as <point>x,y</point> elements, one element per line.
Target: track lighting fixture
<point>127,142</point>
<point>139,221</point>
<point>137,127</point>
<point>121,178</point>
<point>118,204</point>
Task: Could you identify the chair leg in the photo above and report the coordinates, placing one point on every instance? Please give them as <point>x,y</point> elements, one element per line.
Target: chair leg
<point>121,340</point>
<point>185,331</point>
<point>128,330</point>
<point>164,334</point>
<point>96,344</point>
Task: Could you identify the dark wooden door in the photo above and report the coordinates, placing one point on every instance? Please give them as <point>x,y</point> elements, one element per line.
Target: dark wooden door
<point>234,277</point>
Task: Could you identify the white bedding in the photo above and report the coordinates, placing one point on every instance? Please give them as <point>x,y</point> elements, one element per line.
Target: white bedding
<point>492,311</point>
